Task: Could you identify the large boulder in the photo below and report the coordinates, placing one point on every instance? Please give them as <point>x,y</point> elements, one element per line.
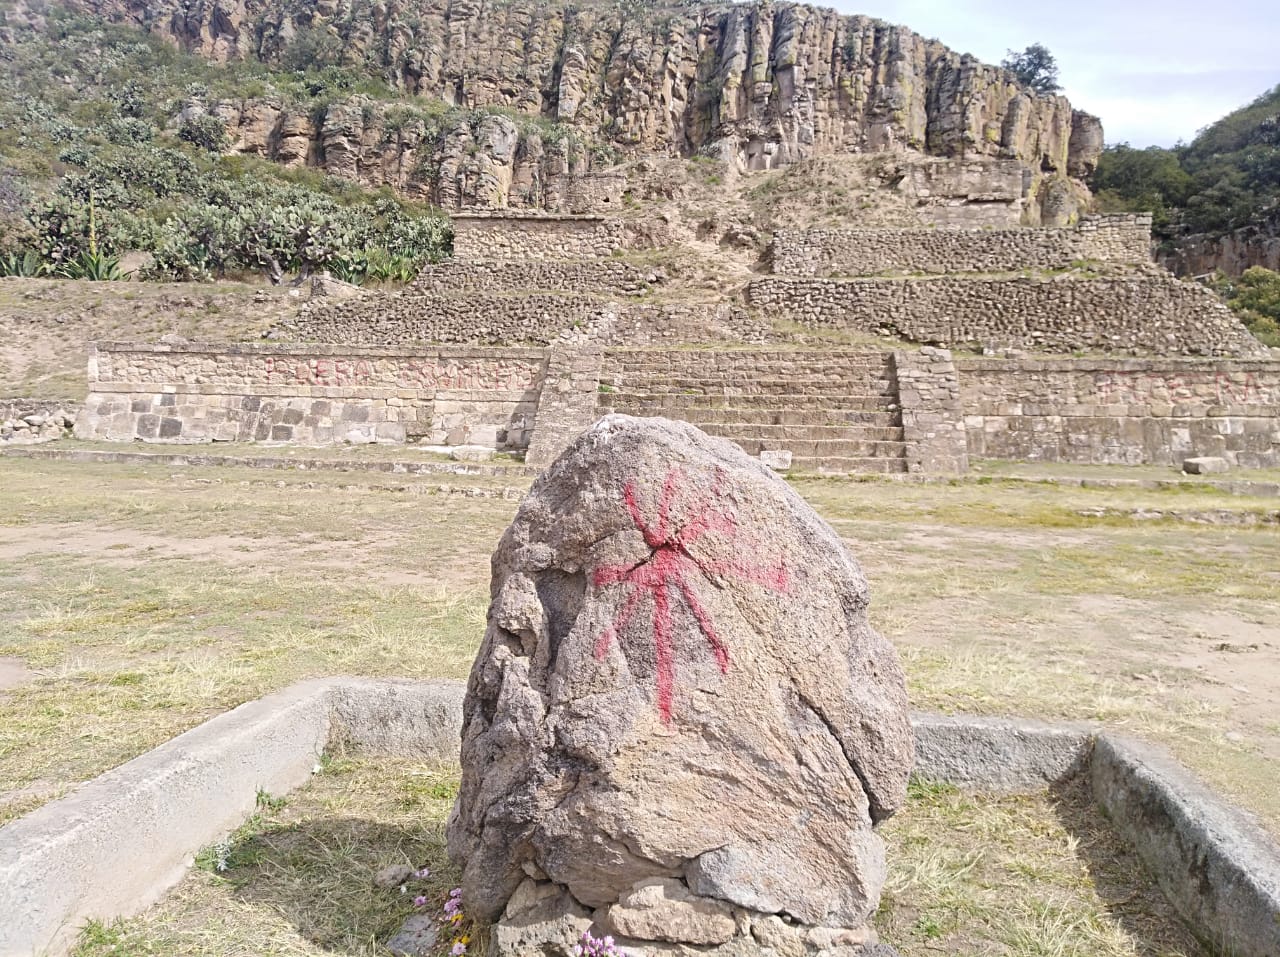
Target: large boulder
<point>679,699</point>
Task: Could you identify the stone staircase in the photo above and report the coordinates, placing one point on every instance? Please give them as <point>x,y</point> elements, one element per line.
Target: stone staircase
<point>834,411</point>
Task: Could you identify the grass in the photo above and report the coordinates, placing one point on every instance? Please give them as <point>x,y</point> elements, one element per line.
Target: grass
<point>973,874</point>
<point>147,598</point>
<point>298,877</point>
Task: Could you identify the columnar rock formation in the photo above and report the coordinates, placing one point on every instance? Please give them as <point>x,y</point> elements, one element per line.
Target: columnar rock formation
<point>680,725</point>
<point>760,85</point>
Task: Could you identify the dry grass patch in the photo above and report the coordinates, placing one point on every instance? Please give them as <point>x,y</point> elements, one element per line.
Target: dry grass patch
<point>1032,875</point>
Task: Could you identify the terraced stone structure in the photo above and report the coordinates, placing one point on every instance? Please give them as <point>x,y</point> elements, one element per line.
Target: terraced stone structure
<point>597,341</point>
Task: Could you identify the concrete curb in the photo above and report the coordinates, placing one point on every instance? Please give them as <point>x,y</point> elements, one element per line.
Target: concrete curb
<point>1220,870</point>
<point>120,841</point>
<point>117,843</point>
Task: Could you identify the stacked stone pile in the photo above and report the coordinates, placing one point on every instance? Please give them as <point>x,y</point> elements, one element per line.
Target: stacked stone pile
<point>1146,312</point>
<point>27,421</point>
<point>1120,239</point>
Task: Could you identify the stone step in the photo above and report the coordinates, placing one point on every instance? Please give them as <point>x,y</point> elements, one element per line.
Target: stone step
<point>786,417</point>
<point>646,404</point>
<point>709,386</point>
<point>786,433</point>
<point>711,371</point>
<point>851,465</point>
<point>824,448</point>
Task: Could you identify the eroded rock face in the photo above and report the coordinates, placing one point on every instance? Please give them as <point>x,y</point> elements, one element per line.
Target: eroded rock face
<point>759,85</point>
<point>678,700</point>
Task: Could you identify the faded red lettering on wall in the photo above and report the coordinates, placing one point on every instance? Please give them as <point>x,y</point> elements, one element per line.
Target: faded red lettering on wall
<point>1213,388</point>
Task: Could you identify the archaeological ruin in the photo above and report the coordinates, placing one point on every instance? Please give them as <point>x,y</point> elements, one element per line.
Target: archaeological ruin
<point>860,350</point>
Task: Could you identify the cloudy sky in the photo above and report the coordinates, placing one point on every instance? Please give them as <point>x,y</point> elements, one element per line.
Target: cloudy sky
<point>1155,73</point>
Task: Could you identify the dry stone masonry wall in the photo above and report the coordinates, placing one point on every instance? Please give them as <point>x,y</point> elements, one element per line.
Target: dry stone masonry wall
<point>910,410</point>
<point>1148,312</point>
<point>535,237</point>
<point>601,277</point>
<point>1123,239</point>
<point>513,317</point>
<point>1136,411</point>
<point>312,395</point>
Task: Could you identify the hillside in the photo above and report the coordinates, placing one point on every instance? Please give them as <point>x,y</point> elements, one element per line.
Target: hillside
<point>465,104</point>
<point>1217,199</point>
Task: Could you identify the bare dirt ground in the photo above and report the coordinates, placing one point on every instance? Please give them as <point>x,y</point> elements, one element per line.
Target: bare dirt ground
<point>143,599</point>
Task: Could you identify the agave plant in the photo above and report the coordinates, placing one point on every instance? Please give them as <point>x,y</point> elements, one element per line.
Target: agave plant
<point>27,264</point>
<point>93,266</point>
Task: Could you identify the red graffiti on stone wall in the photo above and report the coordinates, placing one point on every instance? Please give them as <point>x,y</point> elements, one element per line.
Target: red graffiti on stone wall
<point>668,571</point>
<point>321,371</point>
<point>1222,388</point>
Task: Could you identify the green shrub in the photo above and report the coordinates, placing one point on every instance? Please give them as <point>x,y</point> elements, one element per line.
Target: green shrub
<point>205,131</point>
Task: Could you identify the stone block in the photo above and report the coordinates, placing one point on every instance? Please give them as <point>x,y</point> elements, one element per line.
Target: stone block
<point>170,428</point>
<point>1205,465</point>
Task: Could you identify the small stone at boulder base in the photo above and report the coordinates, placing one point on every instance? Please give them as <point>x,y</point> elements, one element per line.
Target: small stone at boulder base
<point>679,706</point>
<point>393,875</point>
<point>1205,465</point>
<point>777,459</point>
<point>663,909</point>
<point>416,937</point>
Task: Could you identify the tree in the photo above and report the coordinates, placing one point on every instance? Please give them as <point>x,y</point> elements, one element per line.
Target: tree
<point>1034,67</point>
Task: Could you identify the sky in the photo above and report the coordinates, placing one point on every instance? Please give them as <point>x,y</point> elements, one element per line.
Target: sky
<point>1154,72</point>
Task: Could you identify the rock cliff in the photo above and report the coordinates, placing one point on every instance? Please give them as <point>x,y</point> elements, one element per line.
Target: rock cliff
<point>757,85</point>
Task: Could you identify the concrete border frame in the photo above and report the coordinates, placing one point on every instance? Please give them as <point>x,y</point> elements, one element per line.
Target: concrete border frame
<point>118,842</point>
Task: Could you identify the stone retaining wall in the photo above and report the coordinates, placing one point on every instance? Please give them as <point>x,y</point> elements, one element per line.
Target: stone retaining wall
<point>311,395</point>
<point>492,318</point>
<point>1131,411</point>
<point>600,277</point>
<point>867,252</point>
<point>1143,313</point>
<point>1136,411</point>
<point>535,237</point>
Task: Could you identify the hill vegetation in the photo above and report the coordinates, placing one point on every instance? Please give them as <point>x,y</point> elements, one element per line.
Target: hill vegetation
<point>113,154</point>
<point>1227,178</point>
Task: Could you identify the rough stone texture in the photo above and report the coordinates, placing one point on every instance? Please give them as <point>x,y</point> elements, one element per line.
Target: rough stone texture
<point>567,405</point>
<point>606,277</point>
<point>868,252</point>
<point>1149,312</point>
<point>933,430</point>
<point>759,85</point>
<point>1216,865</point>
<point>316,395</point>
<point>664,909</point>
<point>834,410</point>
<point>29,421</point>
<point>535,237</point>
<point>501,318</point>
<point>1232,253</point>
<point>415,938</point>
<point>678,681</point>
<point>1122,411</point>
<point>1205,465</point>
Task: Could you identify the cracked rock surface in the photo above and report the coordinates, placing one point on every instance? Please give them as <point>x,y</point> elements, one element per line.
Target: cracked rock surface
<point>679,701</point>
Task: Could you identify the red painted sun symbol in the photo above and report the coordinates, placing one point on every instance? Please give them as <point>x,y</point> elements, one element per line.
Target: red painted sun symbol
<point>667,571</point>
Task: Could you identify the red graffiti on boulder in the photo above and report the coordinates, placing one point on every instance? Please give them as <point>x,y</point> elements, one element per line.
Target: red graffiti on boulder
<point>667,573</point>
